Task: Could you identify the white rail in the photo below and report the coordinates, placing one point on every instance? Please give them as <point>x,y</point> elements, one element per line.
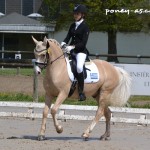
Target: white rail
<point>143,113</point>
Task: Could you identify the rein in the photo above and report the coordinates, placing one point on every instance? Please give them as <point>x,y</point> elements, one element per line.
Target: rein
<point>56,58</point>
<point>49,51</point>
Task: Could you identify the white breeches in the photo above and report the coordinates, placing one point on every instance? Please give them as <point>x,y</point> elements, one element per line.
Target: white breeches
<point>80,57</point>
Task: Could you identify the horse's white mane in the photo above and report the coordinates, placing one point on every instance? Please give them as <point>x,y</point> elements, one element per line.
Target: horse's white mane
<point>54,41</point>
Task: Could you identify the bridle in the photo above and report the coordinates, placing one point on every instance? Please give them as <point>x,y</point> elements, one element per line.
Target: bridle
<point>46,62</point>
<point>42,65</point>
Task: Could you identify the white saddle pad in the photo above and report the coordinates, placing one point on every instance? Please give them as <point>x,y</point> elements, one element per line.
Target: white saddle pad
<point>92,72</point>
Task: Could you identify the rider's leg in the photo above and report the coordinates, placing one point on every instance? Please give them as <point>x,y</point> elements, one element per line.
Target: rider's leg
<point>80,57</point>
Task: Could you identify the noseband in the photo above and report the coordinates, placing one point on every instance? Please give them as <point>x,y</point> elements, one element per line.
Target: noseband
<point>43,64</point>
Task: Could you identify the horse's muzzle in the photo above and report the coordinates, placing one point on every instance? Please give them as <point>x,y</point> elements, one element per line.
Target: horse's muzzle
<point>37,70</point>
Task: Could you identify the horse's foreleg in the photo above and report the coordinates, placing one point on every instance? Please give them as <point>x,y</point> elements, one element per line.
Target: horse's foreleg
<point>61,97</point>
<point>41,135</point>
<point>107,114</point>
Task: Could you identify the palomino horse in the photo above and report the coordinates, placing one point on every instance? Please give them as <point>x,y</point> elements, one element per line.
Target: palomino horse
<point>113,88</point>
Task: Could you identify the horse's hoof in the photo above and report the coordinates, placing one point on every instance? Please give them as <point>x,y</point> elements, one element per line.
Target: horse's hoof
<point>59,129</point>
<point>41,138</point>
<point>86,139</point>
<point>85,136</point>
<point>102,138</point>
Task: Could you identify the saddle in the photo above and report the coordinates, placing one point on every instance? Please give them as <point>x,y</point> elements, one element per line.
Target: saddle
<point>73,64</point>
<point>90,70</point>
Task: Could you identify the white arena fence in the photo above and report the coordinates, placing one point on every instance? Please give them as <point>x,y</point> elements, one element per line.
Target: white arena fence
<point>140,119</point>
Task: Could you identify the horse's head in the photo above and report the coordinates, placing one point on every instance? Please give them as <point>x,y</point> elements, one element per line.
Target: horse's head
<point>46,52</point>
<point>41,54</point>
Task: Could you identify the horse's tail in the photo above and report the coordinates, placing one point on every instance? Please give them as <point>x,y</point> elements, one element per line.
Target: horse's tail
<point>122,92</point>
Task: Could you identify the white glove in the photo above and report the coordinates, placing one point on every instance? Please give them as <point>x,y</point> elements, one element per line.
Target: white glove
<point>62,44</point>
<point>69,48</point>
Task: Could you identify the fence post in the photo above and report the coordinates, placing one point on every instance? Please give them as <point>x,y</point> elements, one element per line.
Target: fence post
<point>97,56</point>
<point>35,83</point>
<point>18,56</point>
<point>18,70</point>
<point>139,59</point>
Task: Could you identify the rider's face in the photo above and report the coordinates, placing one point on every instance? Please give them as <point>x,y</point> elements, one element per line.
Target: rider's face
<point>77,16</point>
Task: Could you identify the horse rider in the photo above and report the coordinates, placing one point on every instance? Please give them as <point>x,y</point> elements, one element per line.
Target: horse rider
<point>78,33</point>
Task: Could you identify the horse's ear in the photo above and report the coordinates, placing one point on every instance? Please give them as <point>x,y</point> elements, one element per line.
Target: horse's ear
<point>45,41</point>
<point>47,44</point>
<point>35,41</point>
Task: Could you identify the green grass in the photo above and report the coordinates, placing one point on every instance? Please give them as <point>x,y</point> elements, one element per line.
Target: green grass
<point>139,98</point>
<point>134,101</point>
<point>146,106</point>
<point>15,97</point>
<point>89,102</point>
<point>13,71</point>
<point>140,102</point>
<point>29,98</point>
<point>22,71</point>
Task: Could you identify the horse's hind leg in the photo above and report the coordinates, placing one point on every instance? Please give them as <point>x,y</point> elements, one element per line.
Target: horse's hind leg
<point>107,114</point>
<point>102,104</point>
<point>41,135</point>
<point>99,114</point>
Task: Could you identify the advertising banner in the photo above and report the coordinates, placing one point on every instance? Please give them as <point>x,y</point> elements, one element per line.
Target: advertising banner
<point>140,74</point>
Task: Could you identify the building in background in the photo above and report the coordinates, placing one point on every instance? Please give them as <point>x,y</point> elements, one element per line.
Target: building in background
<point>19,19</point>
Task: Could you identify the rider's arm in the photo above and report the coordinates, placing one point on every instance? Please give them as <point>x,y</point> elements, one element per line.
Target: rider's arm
<point>68,37</point>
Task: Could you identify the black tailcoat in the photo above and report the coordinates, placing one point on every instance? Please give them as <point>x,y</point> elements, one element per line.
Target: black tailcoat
<point>79,37</point>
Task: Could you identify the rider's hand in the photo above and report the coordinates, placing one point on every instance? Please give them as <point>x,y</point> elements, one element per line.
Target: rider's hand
<point>62,45</point>
<point>69,48</point>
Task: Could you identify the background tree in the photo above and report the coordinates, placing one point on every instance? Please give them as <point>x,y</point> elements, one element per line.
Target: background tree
<point>61,12</point>
<point>114,22</point>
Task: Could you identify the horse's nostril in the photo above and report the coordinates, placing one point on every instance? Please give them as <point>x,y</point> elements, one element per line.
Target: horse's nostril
<point>37,70</point>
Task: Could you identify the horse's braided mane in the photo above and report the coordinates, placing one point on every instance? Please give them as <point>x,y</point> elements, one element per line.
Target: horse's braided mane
<point>54,41</point>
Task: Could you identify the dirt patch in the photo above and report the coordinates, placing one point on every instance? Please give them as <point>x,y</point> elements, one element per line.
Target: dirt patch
<point>20,84</point>
<point>21,134</point>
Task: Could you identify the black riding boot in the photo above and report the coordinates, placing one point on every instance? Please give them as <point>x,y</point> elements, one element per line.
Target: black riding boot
<point>80,80</point>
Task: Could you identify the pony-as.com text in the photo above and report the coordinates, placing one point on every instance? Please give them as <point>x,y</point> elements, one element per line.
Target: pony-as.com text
<point>127,11</point>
